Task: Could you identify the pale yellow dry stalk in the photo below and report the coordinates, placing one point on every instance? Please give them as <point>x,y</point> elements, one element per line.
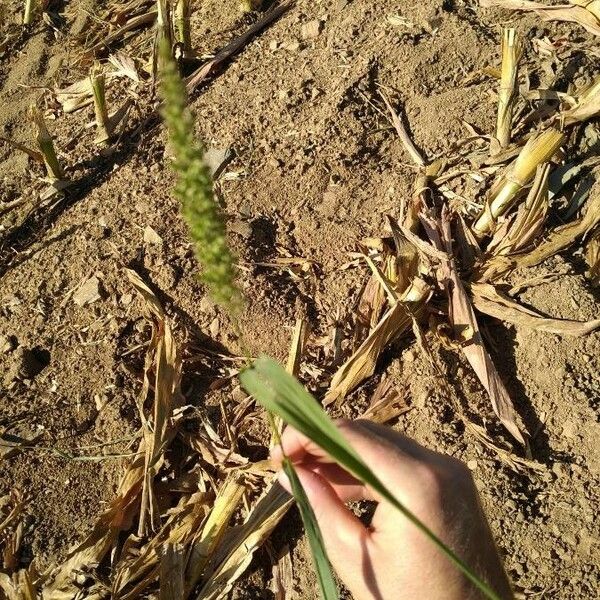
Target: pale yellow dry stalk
<point>250,5</point>
<point>397,319</point>
<point>592,6</point>
<point>98,85</point>
<point>507,189</point>
<point>46,145</point>
<point>592,257</point>
<point>207,539</point>
<point>292,367</point>
<point>182,25</point>
<point>163,22</point>
<point>529,220</point>
<point>28,14</point>
<point>512,50</point>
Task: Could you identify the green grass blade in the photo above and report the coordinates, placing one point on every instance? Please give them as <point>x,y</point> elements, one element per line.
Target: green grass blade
<point>283,395</point>
<point>313,533</point>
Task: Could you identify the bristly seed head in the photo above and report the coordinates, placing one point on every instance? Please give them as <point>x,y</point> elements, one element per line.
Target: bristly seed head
<point>194,190</point>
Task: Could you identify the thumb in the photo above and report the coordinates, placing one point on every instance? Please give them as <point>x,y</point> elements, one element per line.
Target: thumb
<point>343,534</point>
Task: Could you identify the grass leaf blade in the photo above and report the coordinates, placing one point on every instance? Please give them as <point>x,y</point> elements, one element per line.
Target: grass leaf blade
<point>313,533</point>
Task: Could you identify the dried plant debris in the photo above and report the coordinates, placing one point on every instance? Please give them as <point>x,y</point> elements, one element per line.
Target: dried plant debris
<point>512,50</point>
<point>584,12</point>
<point>512,230</point>
<point>592,256</point>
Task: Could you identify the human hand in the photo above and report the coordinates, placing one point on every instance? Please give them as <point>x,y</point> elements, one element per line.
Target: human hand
<point>391,559</point>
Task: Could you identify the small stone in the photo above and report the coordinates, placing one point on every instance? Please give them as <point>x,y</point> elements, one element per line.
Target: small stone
<point>215,158</point>
<point>273,45</point>
<point>410,356</point>
<point>242,228</point>
<point>151,237</point>
<point>126,299</point>
<point>472,465</point>
<point>293,46</point>
<point>238,394</point>
<point>311,30</point>
<point>207,305</point>
<point>7,343</point>
<point>89,292</point>
<point>214,327</point>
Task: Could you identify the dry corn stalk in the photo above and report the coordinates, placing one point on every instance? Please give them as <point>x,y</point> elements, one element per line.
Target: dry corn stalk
<point>250,5</point>
<point>508,187</point>
<point>587,107</point>
<point>239,543</point>
<point>135,573</point>
<point>562,237</point>
<point>206,541</point>
<point>46,145</point>
<point>293,365</point>
<point>489,301</point>
<point>529,220</point>
<point>28,14</point>
<point>165,362</point>
<point>121,512</point>
<point>182,25</point>
<point>75,96</point>
<point>97,83</point>
<point>163,22</point>
<point>512,50</point>
<point>463,320</point>
<point>171,573</point>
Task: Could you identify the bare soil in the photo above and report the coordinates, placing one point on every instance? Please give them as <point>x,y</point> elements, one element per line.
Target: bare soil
<point>314,168</point>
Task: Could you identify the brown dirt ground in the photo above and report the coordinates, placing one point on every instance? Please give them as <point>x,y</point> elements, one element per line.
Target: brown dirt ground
<point>315,168</point>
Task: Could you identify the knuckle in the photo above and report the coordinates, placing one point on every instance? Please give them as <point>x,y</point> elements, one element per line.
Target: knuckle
<point>437,480</point>
<point>429,480</point>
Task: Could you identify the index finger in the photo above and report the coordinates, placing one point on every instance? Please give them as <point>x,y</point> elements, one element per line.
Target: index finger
<point>298,448</point>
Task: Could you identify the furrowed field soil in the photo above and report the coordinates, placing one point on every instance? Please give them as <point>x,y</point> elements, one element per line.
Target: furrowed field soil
<point>314,167</point>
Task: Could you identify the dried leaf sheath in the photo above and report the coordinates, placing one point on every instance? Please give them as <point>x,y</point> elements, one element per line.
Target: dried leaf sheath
<point>512,50</point>
<point>464,322</point>
<point>506,189</point>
